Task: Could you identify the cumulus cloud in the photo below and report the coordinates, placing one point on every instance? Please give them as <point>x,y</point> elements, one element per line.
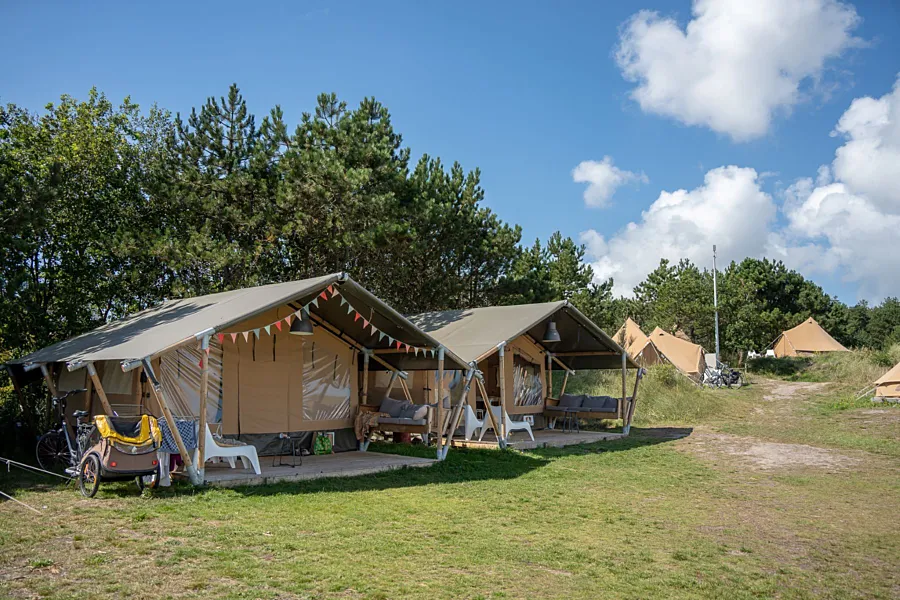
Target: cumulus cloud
<point>603,178</point>
<point>848,220</point>
<point>729,210</point>
<point>844,221</point>
<point>736,63</point>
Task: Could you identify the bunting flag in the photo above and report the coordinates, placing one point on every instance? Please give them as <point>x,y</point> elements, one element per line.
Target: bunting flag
<point>200,364</point>
<point>331,290</point>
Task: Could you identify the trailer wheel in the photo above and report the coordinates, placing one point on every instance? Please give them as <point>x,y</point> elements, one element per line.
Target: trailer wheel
<point>89,476</point>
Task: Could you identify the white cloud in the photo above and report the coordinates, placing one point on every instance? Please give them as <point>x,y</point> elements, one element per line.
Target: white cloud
<point>845,221</point>
<point>736,63</point>
<point>729,210</point>
<point>848,221</point>
<point>603,178</point>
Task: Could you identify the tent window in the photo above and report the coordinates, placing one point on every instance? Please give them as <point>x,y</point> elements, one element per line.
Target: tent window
<point>528,389</point>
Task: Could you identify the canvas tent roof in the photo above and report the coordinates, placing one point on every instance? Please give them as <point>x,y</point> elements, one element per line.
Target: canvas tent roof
<point>809,336</point>
<point>473,333</point>
<point>631,337</point>
<point>174,322</point>
<point>686,356</point>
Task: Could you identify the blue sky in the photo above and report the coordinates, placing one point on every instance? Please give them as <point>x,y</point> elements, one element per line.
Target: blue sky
<point>525,91</point>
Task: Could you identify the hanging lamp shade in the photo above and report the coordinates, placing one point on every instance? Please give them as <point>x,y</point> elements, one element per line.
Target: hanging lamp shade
<point>302,325</point>
<point>551,335</point>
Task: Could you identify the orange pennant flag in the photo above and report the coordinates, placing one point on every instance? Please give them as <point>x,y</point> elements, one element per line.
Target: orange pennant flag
<point>278,325</point>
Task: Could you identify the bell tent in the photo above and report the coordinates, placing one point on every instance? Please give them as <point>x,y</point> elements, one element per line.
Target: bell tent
<point>638,346</point>
<point>805,339</point>
<point>687,357</point>
<point>888,385</point>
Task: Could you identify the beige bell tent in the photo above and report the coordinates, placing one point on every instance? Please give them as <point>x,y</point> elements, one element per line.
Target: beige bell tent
<point>805,339</point>
<point>686,356</point>
<point>282,359</point>
<point>888,385</point>
<point>637,344</point>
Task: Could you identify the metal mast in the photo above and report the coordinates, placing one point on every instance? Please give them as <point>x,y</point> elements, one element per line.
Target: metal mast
<point>716,302</point>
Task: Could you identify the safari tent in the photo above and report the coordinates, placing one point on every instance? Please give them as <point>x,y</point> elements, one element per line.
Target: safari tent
<point>517,350</point>
<point>638,346</point>
<point>288,358</point>
<point>888,385</point>
<point>686,356</point>
<point>805,339</point>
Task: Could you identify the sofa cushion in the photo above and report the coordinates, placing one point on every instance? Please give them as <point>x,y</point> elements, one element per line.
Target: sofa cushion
<point>392,407</point>
<point>600,403</point>
<point>570,401</point>
<point>413,411</point>
<point>399,421</point>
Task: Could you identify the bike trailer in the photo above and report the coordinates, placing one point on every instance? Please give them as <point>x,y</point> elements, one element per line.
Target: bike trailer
<point>127,445</point>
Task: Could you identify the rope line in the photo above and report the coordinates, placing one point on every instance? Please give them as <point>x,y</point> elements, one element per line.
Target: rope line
<point>20,502</point>
<point>9,462</point>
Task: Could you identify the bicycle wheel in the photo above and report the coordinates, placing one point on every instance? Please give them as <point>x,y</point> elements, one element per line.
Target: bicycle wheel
<point>52,451</point>
<point>738,382</point>
<point>89,476</point>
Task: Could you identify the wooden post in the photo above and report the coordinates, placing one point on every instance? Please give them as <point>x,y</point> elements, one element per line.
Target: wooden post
<point>624,383</point>
<point>100,392</point>
<point>562,390</point>
<point>390,385</point>
<point>626,429</point>
<point>502,377</point>
<point>406,391</point>
<point>439,391</point>
<point>204,397</point>
<point>549,375</point>
<point>453,422</point>
<point>51,385</point>
<point>160,395</point>
<point>493,419</point>
<point>89,390</point>
<point>365,385</point>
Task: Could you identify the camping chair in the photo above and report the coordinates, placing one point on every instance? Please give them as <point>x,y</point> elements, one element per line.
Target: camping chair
<point>510,424</point>
<point>471,423</point>
<point>247,454</point>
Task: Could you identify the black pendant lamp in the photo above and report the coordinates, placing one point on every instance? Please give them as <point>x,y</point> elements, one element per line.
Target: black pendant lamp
<point>551,335</point>
<point>302,325</point>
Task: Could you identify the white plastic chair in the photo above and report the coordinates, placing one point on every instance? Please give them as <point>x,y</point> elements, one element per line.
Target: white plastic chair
<point>510,424</point>
<point>247,454</point>
<point>471,423</point>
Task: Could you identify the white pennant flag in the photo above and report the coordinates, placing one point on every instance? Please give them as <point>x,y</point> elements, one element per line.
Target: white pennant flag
<point>374,329</point>
<point>246,335</point>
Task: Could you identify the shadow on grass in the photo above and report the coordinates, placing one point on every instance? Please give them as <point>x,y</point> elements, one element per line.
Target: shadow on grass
<point>461,465</point>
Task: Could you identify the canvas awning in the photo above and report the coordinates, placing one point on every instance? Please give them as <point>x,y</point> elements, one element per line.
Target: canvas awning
<point>686,356</point>
<point>475,333</point>
<point>639,347</point>
<point>806,338</point>
<point>175,322</point>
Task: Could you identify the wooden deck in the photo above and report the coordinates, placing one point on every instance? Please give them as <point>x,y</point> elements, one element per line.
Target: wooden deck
<point>341,464</point>
<point>543,438</point>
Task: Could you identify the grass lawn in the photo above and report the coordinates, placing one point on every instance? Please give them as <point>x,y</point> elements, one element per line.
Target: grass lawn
<point>690,506</point>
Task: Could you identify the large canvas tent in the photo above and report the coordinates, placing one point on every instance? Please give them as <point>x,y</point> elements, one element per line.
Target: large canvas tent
<point>686,356</point>
<point>888,385</point>
<point>234,351</point>
<point>806,338</point>
<point>638,346</point>
<point>505,342</point>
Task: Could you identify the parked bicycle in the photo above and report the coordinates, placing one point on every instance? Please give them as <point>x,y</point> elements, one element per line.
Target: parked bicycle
<point>58,449</point>
<point>724,376</point>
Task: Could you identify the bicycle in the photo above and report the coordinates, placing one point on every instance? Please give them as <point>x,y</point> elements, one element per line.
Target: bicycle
<point>56,449</point>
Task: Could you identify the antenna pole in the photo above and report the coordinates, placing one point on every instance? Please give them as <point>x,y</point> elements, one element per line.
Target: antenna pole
<point>716,302</point>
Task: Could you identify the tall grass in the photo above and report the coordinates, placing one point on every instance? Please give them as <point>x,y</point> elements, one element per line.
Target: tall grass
<point>855,370</point>
<point>665,396</point>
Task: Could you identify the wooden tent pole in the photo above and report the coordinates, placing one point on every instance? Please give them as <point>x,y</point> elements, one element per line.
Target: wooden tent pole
<point>439,398</point>
<point>390,385</point>
<point>549,375</point>
<point>204,397</point>
<point>101,393</point>
<point>562,390</point>
<point>624,383</point>
<point>455,417</point>
<point>502,350</point>
<point>365,384</point>
<point>50,386</point>
<point>160,395</point>
<point>406,391</point>
<point>487,405</point>
<point>626,428</point>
